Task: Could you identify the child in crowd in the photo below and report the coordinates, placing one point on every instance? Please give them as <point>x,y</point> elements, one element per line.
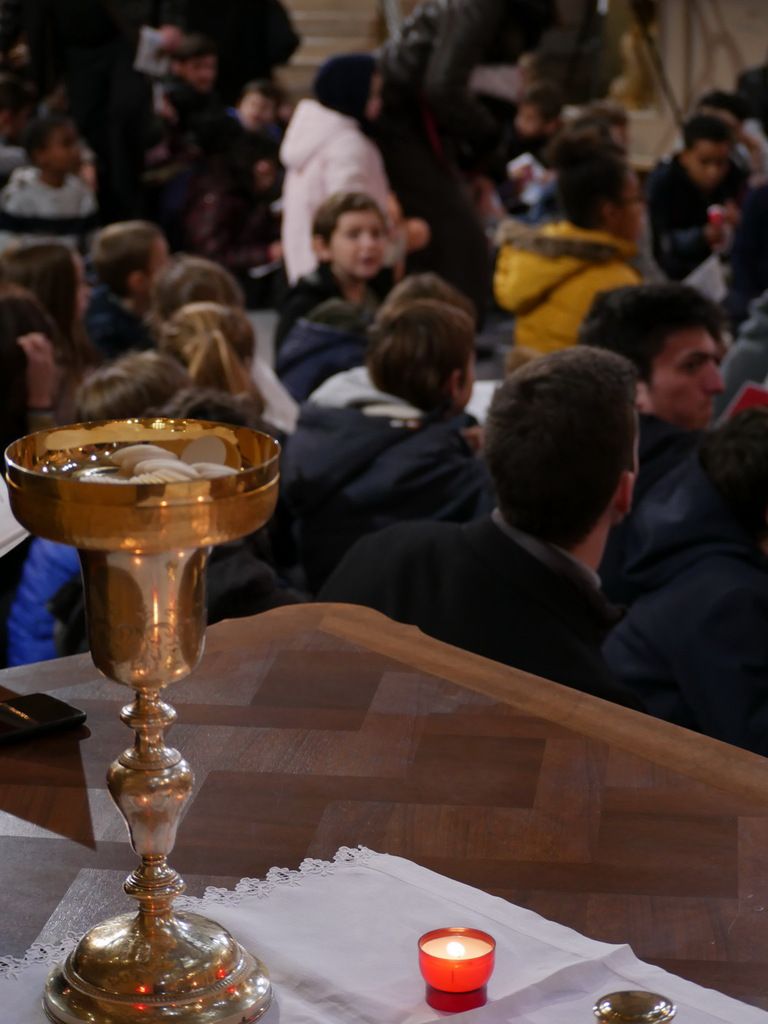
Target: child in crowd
<point>330,342</point>
<point>132,385</point>
<point>365,458</point>
<point>188,279</point>
<point>522,166</point>
<point>17,101</point>
<point>257,107</point>
<point>326,150</point>
<point>127,257</point>
<point>537,120</point>
<point>190,93</point>
<point>54,274</point>
<point>28,365</point>
<point>219,406</point>
<point>330,339</point>
<point>349,235</point>
<point>229,216</point>
<point>682,188</point>
<point>750,149</point>
<point>215,343</point>
<point>30,378</point>
<point>425,286</point>
<point>49,199</point>
<point>549,276</point>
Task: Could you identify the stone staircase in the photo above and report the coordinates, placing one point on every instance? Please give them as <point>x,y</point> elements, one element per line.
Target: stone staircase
<point>328,27</point>
<point>342,26</point>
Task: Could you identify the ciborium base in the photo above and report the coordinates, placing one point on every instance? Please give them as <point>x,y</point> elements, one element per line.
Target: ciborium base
<point>180,968</point>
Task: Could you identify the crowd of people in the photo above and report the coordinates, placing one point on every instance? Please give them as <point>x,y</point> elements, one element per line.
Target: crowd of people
<point>593,524</point>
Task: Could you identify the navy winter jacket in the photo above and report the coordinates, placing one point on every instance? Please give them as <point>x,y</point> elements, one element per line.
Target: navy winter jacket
<point>311,353</point>
<point>30,624</point>
<point>662,447</point>
<point>113,329</point>
<point>694,646</point>
<point>346,473</point>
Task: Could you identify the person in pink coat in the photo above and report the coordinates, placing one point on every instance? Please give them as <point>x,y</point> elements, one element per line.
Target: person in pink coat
<point>326,150</point>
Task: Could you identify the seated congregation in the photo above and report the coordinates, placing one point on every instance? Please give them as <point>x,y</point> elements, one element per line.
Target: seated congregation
<point>295,272</point>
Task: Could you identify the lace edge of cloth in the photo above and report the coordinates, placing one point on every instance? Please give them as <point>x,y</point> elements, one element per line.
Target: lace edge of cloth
<point>50,954</point>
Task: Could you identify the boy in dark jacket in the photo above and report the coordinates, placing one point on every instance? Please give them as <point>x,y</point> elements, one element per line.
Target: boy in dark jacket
<point>694,646</point>
<point>127,257</point>
<point>349,235</point>
<point>681,190</point>
<point>376,448</point>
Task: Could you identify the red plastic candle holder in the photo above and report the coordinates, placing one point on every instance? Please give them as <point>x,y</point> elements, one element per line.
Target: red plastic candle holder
<point>456,964</point>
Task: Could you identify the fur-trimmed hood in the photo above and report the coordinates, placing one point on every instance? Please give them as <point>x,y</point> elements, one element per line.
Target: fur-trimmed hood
<point>537,260</point>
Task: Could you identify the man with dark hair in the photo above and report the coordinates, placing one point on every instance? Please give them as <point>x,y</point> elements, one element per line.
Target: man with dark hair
<point>694,646</point>
<point>520,586</point>
<point>682,188</point>
<point>673,335</point>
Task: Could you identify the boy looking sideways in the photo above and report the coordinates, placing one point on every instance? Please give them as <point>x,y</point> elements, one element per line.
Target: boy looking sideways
<point>48,199</point>
<point>127,257</point>
<point>349,235</point>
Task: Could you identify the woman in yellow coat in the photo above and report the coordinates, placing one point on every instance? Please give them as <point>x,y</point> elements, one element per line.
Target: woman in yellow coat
<point>549,276</point>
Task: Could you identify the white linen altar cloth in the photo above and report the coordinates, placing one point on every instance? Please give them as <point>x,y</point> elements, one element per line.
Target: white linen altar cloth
<point>340,942</point>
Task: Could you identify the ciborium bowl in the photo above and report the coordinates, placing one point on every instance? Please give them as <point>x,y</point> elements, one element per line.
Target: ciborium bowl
<point>143,550</point>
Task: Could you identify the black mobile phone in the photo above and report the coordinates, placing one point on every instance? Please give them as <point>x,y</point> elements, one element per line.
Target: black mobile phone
<point>35,714</point>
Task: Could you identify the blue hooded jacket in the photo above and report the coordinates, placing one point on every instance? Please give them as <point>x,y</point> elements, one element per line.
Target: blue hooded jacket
<point>694,646</point>
<point>313,352</point>
<point>30,624</point>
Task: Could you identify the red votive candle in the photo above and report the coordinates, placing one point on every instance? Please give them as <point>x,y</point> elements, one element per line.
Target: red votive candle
<point>456,964</point>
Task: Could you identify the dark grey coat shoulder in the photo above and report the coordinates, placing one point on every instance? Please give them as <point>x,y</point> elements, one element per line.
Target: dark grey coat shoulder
<point>442,42</point>
<point>747,358</point>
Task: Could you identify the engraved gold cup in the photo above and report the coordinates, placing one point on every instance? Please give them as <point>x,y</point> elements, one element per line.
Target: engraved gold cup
<point>143,550</point>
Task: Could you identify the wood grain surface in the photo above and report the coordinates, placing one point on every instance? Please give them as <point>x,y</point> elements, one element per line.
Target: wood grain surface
<point>319,726</point>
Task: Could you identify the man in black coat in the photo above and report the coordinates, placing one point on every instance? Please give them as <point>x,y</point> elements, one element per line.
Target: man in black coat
<point>520,586</point>
<point>673,336</point>
<point>430,118</point>
<point>91,44</point>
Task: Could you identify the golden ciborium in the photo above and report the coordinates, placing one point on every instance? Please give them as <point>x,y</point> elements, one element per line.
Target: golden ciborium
<point>143,551</point>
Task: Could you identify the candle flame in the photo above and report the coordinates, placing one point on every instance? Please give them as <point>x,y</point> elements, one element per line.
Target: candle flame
<point>455,949</point>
